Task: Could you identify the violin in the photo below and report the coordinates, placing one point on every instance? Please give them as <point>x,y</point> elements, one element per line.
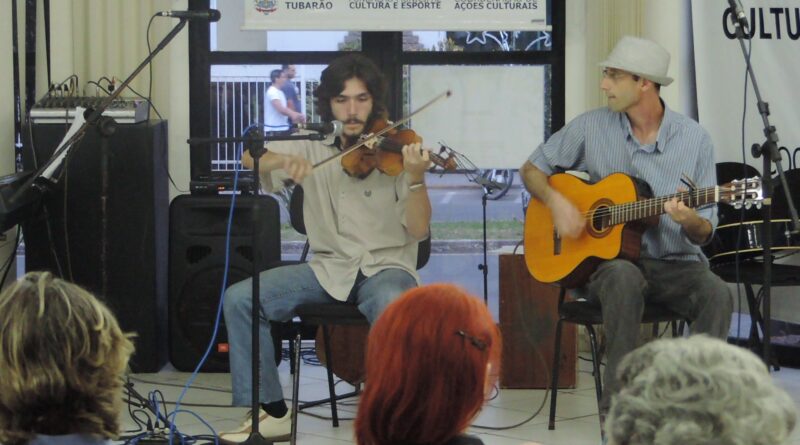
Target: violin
<point>385,153</point>
<point>391,142</point>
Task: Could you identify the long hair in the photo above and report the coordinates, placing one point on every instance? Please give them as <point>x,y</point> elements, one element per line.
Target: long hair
<point>345,68</point>
<point>426,364</point>
<point>62,356</point>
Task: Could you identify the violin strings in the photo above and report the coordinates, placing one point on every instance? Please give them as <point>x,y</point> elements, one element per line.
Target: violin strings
<point>380,133</point>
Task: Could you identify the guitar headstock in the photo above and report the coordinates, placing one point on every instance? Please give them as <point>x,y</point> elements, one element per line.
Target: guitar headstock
<point>742,192</point>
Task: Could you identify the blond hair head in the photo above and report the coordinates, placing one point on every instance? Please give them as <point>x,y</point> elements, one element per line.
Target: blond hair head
<point>62,357</point>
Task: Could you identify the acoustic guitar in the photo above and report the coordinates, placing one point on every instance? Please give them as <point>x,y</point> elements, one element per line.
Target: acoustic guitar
<point>618,210</point>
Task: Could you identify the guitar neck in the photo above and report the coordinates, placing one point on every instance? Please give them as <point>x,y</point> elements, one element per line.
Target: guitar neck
<point>632,211</point>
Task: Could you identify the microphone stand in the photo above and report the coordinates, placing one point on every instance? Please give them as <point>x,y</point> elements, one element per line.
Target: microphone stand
<point>94,117</point>
<point>769,151</point>
<point>256,142</point>
<point>488,187</point>
<point>32,189</point>
<point>484,268</point>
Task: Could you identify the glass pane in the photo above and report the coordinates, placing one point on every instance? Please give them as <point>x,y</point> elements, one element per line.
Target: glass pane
<point>496,115</point>
<point>227,35</point>
<point>478,41</point>
<point>238,100</point>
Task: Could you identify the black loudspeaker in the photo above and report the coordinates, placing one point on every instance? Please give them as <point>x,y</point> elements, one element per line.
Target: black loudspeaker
<point>197,264</point>
<point>128,267</point>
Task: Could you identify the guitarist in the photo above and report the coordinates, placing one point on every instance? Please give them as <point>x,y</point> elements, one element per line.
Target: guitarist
<point>640,136</point>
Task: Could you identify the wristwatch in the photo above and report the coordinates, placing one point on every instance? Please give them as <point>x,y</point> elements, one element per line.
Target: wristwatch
<point>416,186</point>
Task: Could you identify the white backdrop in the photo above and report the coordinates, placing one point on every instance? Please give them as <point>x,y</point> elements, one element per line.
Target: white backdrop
<point>720,71</point>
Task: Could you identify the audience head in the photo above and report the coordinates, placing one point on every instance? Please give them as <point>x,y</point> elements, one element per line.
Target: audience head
<point>62,356</point>
<point>432,357</point>
<point>697,390</point>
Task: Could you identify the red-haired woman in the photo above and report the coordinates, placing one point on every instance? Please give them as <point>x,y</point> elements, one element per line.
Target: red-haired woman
<point>432,356</point>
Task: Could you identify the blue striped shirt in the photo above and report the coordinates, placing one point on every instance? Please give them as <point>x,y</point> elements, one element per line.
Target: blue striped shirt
<point>601,142</point>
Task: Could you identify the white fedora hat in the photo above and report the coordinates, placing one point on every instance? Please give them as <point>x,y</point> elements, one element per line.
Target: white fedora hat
<point>642,57</point>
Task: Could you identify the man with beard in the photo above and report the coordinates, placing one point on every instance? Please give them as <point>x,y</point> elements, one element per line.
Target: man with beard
<point>363,234</point>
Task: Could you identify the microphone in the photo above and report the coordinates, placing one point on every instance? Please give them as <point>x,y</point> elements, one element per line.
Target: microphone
<point>333,128</point>
<point>738,18</point>
<point>212,15</point>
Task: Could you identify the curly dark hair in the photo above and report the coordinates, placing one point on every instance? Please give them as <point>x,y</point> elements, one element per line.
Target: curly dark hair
<point>345,68</point>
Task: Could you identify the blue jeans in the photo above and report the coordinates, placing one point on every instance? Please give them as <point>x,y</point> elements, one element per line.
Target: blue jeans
<point>282,290</point>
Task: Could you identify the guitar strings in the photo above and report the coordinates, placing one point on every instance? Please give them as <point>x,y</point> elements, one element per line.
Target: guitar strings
<point>648,203</point>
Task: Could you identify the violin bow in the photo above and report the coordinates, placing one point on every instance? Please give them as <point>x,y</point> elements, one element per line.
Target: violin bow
<point>378,134</point>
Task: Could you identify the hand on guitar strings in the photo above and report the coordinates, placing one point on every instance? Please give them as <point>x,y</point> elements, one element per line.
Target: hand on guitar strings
<point>567,219</point>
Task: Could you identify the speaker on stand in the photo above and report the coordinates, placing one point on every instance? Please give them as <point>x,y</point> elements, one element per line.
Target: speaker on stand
<point>197,264</point>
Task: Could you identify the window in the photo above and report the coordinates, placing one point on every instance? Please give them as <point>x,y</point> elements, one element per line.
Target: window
<point>524,77</point>
<point>237,94</point>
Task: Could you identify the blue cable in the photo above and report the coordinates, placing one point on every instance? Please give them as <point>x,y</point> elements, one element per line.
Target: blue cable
<point>134,440</point>
<point>219,307</point>
<point>213,432</point>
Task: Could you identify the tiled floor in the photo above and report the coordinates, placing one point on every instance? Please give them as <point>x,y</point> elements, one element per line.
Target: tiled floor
<point>576,424</point>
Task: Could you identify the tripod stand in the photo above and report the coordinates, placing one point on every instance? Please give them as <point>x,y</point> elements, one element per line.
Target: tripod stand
<point>771,154</point>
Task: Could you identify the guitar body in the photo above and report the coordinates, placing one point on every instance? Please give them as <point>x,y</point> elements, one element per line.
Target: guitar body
<point>571,261</point>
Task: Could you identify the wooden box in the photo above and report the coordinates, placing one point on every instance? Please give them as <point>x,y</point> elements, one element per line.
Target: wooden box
<point>528,316</point>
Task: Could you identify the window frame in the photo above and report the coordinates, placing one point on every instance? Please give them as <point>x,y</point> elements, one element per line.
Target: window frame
<point>384,47</point>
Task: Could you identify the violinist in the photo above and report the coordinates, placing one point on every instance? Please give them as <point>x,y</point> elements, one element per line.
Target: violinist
<point>363,231</point>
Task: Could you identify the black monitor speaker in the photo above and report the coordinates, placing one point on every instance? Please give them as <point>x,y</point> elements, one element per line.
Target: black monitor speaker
<point>198,226</point>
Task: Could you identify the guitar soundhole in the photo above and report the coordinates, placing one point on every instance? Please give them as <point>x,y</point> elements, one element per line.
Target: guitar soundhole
<point>601,219</point>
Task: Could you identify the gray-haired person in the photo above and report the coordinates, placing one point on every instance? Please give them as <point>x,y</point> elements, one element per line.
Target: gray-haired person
<point>697,390</point>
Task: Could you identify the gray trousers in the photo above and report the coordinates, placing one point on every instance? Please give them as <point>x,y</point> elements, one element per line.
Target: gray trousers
<point>622,288</point>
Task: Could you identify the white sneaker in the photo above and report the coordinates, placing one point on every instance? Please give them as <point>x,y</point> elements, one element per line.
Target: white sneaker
<point>274,429</point>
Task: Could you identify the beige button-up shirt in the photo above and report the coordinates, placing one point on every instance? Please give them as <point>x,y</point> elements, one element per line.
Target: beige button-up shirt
<point>352,224</point>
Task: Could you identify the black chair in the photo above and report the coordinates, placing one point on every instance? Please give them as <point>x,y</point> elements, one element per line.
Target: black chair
<point>588,313</point>
<point>321,315</point>
<point>286,330</point>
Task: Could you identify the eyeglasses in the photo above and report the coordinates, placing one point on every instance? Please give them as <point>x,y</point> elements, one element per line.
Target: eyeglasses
<point>614,74</point>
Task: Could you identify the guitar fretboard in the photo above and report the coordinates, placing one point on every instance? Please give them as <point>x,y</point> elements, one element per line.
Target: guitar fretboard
<point>646,208</point>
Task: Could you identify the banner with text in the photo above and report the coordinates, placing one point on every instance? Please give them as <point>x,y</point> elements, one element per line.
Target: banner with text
<point>396,15</point>
<point>720,72</point>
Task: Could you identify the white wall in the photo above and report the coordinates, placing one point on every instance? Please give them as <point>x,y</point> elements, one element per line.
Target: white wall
<point>575,61</point>
<point>667,22</point>
<point>176,104</point>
